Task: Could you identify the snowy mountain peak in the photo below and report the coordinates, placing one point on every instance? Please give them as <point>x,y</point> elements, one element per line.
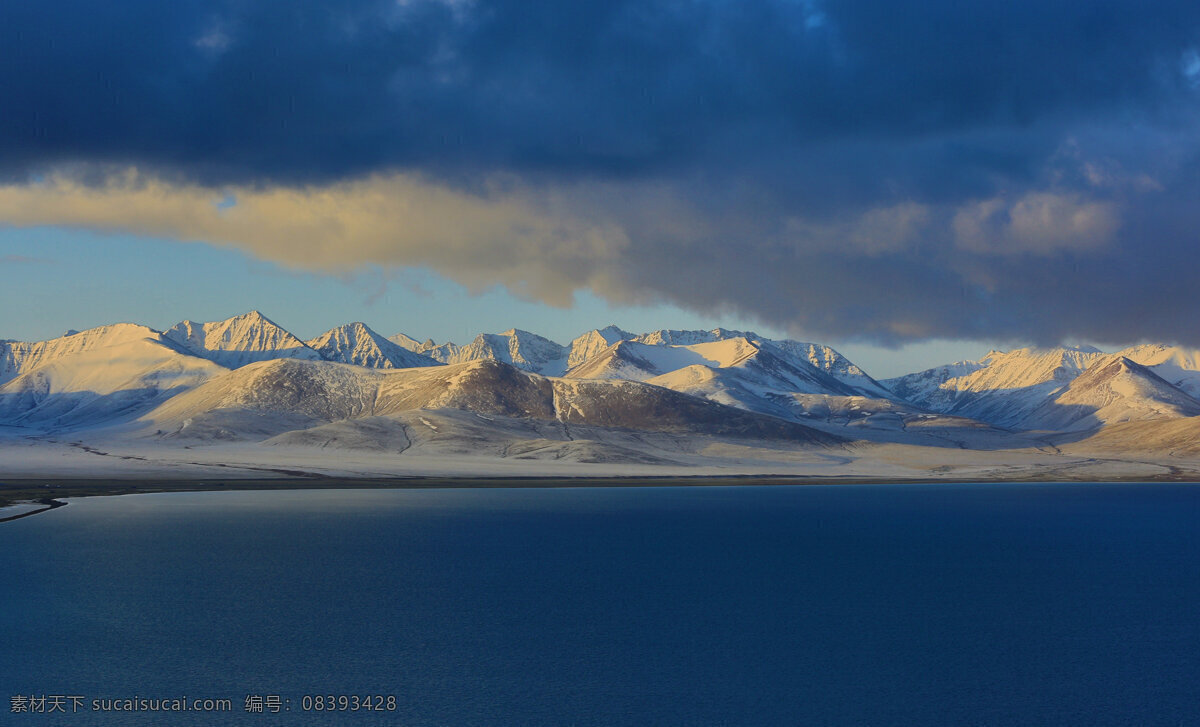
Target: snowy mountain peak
<point>93,377</point>
<point>412,344</point>
<point>614,332</point>
<point>1179,366</point>
<point>828,360</point>
<point>749,370</point>
<point>924,387</point>
<point>1041,388</point>
<point>357,344</point>
<point>1112,391</point>
<point>17,357</point>
<point>525,350</point>
<point>1002,388</point>
<point>593,343</point>
<point>239,340</point>
<point>249,318</point>
<point>109,376</point>
<point>1027,366</point>
<point>529,351</point>
<point>669,337</point>
<point>797,353</point>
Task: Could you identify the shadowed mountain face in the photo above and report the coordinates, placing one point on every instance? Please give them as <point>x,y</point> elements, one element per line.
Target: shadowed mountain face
<point>485,387</point>
<point>313,393</point>
<point>637,406</point>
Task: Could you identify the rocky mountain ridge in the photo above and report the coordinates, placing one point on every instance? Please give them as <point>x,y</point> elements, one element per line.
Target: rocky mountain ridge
<point>716,383</point>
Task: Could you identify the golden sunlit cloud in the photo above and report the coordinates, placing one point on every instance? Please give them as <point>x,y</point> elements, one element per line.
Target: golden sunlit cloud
<point>530,242</point>
<point>629,242</point>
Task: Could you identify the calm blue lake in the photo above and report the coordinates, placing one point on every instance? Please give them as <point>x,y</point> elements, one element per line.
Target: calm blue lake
<point>845,605</point>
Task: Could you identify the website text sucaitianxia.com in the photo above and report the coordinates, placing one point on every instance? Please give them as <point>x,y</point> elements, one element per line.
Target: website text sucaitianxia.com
<point>73,703</point>
<point>262,703</point>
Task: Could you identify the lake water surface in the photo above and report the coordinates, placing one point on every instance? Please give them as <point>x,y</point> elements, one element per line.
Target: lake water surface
<point>859,605</point>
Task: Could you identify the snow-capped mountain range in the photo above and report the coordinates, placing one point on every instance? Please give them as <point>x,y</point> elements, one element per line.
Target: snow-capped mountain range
<point>1021,389</point>
<point>246,379</point>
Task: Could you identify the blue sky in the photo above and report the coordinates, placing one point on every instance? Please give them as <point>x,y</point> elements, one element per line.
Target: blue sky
<point>79,279</point>
<point>58,280</point>
<point>883,176</point>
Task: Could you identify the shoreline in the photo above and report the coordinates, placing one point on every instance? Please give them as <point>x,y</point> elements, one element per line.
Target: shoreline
<point>48,491</point>
<point>49,502</point>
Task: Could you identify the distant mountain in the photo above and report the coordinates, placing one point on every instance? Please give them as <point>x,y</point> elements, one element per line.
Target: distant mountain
<point>17,357</point>
<point>776,378</point>
<point>522,349</point>
<point>267,399</point>
<point>355,343</point>
<point>411,344</point>
<point>836,365</point>
<point>665,337</point>
<point>629,359</point>
<point>240,340</point>
<point>1113,391</point>
<point>756,363</point>
<point>582,357</point>
<point>927,387</point>
<point>796,353</point>
<point>1001,389</point>
<point>608,396</point>
<point>97,377</point>
<point>1179,366</point>
<point>593,343</point>
<point>740,369</point>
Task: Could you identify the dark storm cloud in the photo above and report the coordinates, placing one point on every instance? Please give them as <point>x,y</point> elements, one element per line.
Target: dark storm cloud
<point>865,167</point>
<point>280,91</point>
